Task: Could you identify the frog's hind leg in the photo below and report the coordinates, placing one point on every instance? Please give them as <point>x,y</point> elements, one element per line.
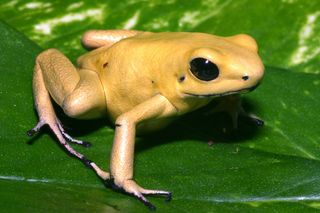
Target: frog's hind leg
<point>97,38</point>
<point>56,77</point>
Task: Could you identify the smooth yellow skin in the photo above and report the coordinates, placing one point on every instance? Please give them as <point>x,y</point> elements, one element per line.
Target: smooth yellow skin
<point>134,77</point>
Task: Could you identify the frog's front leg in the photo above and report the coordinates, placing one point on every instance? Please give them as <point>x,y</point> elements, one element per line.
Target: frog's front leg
<point>78,92</point>
<point>121,167</point>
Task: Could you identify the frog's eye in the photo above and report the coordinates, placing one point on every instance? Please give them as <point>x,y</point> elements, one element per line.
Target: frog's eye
<point>204,69</point>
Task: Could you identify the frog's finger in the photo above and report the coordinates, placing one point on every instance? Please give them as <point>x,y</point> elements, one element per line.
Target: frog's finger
<point>253,118</point>
<point>257,121</point>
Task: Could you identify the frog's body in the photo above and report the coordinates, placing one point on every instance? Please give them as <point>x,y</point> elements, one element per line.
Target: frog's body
<point>143,78</point>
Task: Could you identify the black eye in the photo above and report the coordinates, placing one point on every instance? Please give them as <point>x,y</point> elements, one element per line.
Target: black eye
<point>204,69</point>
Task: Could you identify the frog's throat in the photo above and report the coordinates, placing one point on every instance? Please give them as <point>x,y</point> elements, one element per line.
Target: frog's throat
<point>215,95</point>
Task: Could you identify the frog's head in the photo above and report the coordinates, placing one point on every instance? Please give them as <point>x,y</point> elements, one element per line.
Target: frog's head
<point>221,66</point>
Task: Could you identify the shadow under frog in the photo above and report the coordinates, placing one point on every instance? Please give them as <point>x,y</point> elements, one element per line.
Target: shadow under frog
<point>213,128</point>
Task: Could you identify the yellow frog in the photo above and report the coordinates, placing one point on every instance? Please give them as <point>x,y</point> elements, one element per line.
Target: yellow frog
<point>141,80</point>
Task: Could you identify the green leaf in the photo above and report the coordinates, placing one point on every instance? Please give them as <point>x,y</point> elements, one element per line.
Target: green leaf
<point>293,24</point>
<point>273,168</point>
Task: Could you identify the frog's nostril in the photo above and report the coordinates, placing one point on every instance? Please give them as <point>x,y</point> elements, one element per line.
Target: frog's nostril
<point>245,77</point>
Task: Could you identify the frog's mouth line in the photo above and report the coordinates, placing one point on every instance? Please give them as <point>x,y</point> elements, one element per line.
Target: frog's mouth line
<point>214,95</point>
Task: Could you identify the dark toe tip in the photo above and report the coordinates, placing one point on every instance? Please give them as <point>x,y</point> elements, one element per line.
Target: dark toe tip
<point>150,206</point>
<point>258,122</point>
<point>31,133</point>
<point>168,197</point>
<point>86,144</point>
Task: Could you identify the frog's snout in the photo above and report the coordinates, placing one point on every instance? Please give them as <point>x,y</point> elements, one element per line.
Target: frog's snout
<point>252,78</point>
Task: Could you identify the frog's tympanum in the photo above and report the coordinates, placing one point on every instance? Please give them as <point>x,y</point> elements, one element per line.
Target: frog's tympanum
<point>141,80</point>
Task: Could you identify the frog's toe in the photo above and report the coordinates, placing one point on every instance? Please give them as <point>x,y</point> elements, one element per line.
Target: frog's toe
<point>56,128</point>
<point>35,129</point>
<point>132,188</point>
<point>73,140</point>
<point>38,126</point>
<point>144,200</point>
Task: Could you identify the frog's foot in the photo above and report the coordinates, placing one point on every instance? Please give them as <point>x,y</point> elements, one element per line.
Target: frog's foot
<point>59,132</point>
<point>132,188</point>
<point>56,127</point>
<point>37,128</point>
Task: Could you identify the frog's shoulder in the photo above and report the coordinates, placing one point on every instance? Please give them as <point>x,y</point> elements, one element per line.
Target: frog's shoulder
<point>94,58</point>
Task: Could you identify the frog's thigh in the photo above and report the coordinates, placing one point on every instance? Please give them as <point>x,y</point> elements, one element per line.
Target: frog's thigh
<point>59,75</point>
<point>79,93</point>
